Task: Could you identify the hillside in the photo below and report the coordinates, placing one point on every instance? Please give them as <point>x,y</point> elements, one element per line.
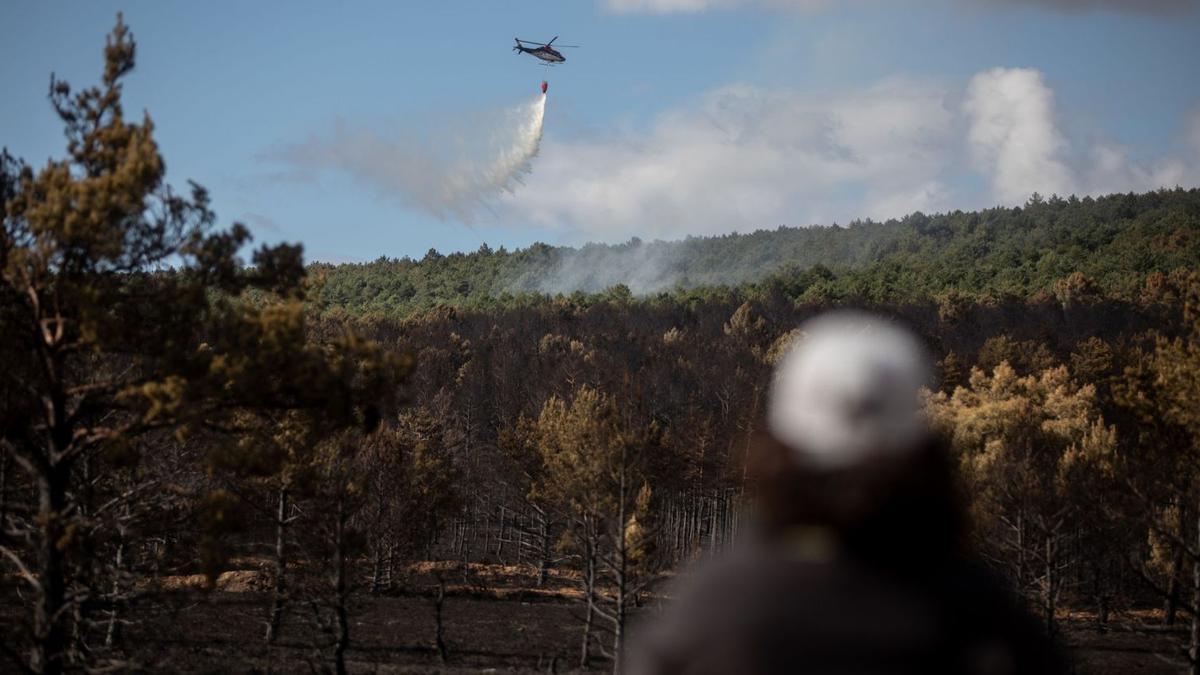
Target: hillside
<point>1114,241</point>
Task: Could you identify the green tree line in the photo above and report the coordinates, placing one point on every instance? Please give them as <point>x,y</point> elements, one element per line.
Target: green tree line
<point>1116,242</point>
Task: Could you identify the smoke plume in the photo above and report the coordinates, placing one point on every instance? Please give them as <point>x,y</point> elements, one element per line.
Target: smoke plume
<point>453,168</point>
<point>644,267</point>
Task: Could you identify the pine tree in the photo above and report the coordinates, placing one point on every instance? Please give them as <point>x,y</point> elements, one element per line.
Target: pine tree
<point>1024,445</point>
<point>1160,391</point>
<point>127,313</point>
<point>593,471</point>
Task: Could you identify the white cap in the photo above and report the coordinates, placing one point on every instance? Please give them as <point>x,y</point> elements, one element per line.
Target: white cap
<point>848,390</point>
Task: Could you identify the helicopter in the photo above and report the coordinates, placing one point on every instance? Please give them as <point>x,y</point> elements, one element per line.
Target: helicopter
<point>541,50</point>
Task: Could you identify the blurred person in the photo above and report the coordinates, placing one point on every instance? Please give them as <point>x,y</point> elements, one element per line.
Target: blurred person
<point>857,563</point>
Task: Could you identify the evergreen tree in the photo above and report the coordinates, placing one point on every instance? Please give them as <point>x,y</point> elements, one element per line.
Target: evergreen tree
<point>127,313</point>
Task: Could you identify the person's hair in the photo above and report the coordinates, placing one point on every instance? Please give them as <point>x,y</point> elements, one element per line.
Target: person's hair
<point>902,511</point>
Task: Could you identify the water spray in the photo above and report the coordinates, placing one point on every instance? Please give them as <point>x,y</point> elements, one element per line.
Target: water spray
<point>472,185</point>
<point>457,168</point>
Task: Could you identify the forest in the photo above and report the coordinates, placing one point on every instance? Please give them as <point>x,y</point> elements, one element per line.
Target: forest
<point>1114,241</point>
<point>213,463</point>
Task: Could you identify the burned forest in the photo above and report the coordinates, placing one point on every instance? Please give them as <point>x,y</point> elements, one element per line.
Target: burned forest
<point>218,458</point>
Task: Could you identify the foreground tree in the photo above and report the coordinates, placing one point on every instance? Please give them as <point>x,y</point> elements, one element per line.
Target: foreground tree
<point>341,491</point>
<point>593,472</point>
<point>126,313</point>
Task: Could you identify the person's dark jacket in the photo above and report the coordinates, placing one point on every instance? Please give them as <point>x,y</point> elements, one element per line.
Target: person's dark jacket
<point>856,572</point>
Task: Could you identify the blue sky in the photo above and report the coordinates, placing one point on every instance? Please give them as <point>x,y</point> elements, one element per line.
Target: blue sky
<point>675,117</point>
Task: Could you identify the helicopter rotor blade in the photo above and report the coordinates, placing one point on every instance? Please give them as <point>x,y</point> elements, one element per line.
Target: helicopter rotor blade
<point>551,41</point>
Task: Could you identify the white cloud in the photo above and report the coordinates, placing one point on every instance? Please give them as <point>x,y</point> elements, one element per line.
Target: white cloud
<point>747,157</point>
<point>743,157</point>
<point>1141,6</point>
<point>692,6</point>
<point>1013,135</point>
<point>928,197</point>
<point>1109,169</point>
<point>1016,140</point>
<point>688,6</point>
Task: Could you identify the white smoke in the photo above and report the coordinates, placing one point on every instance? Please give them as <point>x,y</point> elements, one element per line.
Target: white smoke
<point>1016,138</point>
<point>454,168</point>
<point>1014,135</point>
<point>644,267</point>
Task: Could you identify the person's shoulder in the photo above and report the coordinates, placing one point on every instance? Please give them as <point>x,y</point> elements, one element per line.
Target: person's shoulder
<point>746,569</point>
<point>989,615</point>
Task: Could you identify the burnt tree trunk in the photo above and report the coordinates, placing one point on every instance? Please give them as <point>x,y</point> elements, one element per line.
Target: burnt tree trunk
<point>543,533</point>
<point>1194,641</point>
<point>342,636</point>
<point>439,603</point>
<point>1171,604</point>
<point>110,634</point>
<point>589,594</point>
<point>1050,584</point>
<point>377,566</point>
<point>51,611</point>
<point>4,459</point>
<point>620,569</point>
<point>279,592</point>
